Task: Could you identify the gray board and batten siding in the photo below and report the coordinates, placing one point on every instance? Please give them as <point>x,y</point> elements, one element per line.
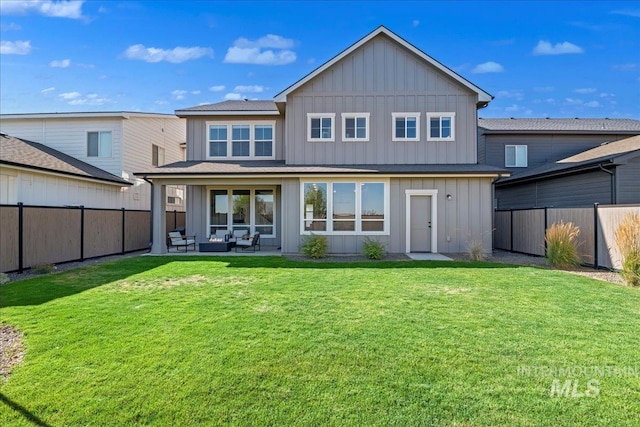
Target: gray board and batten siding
<point>381,77</point>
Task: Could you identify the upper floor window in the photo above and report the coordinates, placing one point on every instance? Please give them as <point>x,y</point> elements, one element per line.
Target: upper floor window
<point>406,126</point>
<point>241,140</point>
<point>157,155</point>
<point>515,156</point>
<point>99,144</point>
<point>355,126</point>
<point>441,126</point>
<point>321,127</point>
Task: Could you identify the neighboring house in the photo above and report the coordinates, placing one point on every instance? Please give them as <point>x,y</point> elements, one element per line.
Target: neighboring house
<point>117,142</point>
<point>35,174</point>
<point>378,142</point>
<point>607,174</point>
<point>523,145</point>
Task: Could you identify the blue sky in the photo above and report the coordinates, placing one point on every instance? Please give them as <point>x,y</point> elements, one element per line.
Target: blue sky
<point>539,59</point>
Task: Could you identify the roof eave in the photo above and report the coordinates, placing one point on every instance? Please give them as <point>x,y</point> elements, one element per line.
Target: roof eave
<point>186,113</point>
<point>115,182</point>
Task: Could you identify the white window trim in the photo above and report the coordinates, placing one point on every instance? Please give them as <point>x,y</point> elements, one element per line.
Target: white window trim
<point>440,115</point>
<point>394,116</point>
<point>329,231</point>
<point>515,148</point>
<point>86,141</point>
<point>252,141</point>
<point>356,116</point>
<point>332,116</point>
<point>252,220</point>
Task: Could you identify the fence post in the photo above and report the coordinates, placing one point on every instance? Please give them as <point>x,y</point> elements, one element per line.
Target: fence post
<point>123,231</point>
<point>511,230</point>
<point>545,230</point>
<point>595,235</point>
<point>20,237</point>
<point>81,232</point>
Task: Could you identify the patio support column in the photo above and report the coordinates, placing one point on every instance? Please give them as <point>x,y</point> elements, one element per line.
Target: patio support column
<point>159,214</point>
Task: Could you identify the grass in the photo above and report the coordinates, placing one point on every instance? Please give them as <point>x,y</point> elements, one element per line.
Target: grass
<point>268,341</point>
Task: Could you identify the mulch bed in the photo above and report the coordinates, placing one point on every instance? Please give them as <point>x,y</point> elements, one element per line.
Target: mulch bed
<point>11,350</point>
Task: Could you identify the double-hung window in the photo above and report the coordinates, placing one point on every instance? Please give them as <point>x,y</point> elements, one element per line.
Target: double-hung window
<point>355,126</point>
<point>99,144</point>
<point>241,140</point>
<point>406,126</point>
<point>441,126</point>
<point>321,127</point>
<point>515,156</point>
<point>157,155</point>
<point>344,207</point>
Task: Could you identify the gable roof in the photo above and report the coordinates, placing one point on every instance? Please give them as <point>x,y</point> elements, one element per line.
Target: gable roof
<point>548,125</point>
<point>483,97</point>
<point>606,154</point>
<point>259,107</point>
<point>33,155</point>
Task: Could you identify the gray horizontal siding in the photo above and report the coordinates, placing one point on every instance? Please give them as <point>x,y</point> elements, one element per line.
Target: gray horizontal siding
<point>628,182</point>
<point>579,190</point>
<point>541,149</point>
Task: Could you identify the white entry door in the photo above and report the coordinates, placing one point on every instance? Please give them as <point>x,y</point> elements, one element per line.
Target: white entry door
<point>420,224</point>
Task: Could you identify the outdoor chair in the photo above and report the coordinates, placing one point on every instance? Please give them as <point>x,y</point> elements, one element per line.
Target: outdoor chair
<point>177,240</point>
<point>252,242</point>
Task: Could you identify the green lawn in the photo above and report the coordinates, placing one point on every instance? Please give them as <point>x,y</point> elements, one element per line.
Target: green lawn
<point>268,341</point>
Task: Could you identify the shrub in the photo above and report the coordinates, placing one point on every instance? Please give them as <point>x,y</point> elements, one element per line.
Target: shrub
<point>475,250</point>
<point>372,249</point>
<point>562,246</point>
<point>4,278</point>
<point>628,241</point>
<point>43,268</point>
<point>315,246</point>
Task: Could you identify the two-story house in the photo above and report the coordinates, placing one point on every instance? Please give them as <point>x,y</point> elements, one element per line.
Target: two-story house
<point>116,142</point>
<point>379,141</point>
<point>562,162</point>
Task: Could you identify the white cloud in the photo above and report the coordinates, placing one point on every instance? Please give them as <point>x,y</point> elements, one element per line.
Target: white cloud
<point>95,100</point>
<point>415,23</point>
<point>592,104</point>
<point>515,108</point>
<point>245,51</point>
<point>546,48</point>
<point>233,96</point>
<point>606,95</point>
<point>488,67</point>
<point>12,26</point>
<point>162,102</point>
<point>544,88</point>
<point>195,92</point>
<point>516,93</point>
<point>176,55</point>
<point>47,90</point>
<point>55,9</point>
<point>252,89</point>
<point>18,47</point>
<point>217,88</point>
<point>628,12</point>
<point>586,90</point>
<point>63,63</point>
<point>178,94</point>
<point>573,101</point>
<point>70,95</point>
<point>624,67</point>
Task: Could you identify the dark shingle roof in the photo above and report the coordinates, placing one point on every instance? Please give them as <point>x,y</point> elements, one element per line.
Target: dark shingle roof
<point>241,106</point>
<point>270,167</point>
<point>576,125</point>
<point>33,155</point>
<point>609,152</point>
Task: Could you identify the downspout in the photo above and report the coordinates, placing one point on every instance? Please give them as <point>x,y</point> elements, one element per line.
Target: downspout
<point>151,211</point>
<point>613,183</point>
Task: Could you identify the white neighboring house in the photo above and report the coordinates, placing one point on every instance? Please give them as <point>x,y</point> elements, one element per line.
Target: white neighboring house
<point>35,174</point>
<point>118,142</point>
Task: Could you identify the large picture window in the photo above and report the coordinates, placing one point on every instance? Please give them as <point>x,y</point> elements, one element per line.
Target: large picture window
<point>241,140</point>
<point>354,207</point>
<point>242,209</point>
